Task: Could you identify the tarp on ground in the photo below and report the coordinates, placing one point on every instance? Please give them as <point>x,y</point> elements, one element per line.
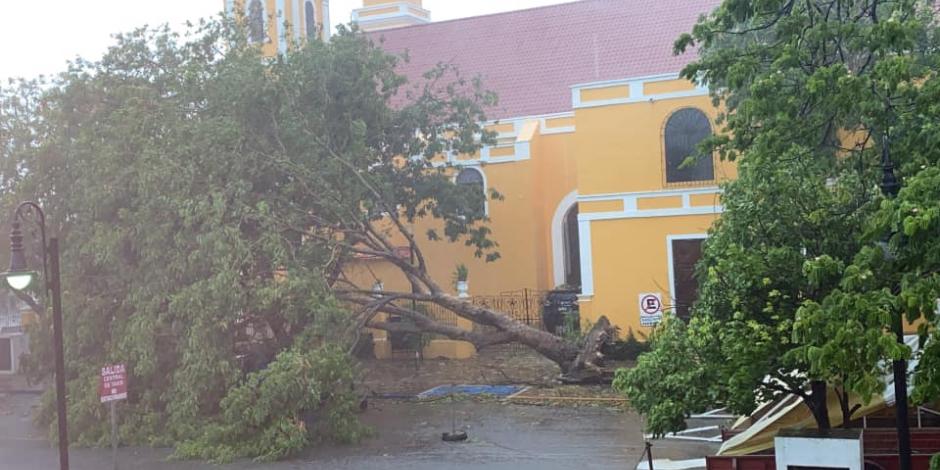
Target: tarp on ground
<point>789,412</point>
<point>475,390</point>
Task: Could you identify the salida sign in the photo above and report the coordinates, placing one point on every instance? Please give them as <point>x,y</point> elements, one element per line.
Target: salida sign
<point>113,384</point>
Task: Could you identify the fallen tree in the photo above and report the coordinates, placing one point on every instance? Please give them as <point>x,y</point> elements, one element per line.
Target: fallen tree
<point>366,198</point>
<point>232,194</point>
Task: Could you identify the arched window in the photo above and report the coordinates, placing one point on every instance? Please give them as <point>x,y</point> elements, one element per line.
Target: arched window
<point>256,22</point>
<point>685,129</point>
<point>473,177</point>
<point>310,19</point>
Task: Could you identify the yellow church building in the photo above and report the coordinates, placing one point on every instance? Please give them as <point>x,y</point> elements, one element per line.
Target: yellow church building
<point>595,130</point>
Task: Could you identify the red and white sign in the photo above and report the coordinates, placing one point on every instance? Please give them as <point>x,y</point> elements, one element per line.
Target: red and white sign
<point>113,384</point>
<point>651,309</point>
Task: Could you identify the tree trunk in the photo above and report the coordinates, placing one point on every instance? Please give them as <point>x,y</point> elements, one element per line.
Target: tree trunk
<point>844,405</point>
<point>558,350</point>
<point>578,364</point>
<point>818,405</point>
<point>587,366</point>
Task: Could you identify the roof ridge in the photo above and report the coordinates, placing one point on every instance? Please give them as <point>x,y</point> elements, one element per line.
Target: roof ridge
<point>531,57</point>
<point>487,15</point>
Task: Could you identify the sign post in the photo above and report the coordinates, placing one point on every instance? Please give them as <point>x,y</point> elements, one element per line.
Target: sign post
<point>651,309</point>
<point>112,388</point>
<point>114,440</point>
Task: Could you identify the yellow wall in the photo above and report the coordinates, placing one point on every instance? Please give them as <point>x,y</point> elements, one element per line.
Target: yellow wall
<point>609,151</point>
<point>620,147</point>
<point>515,270</point>
<point>589,207</point>
<point>620,151</point>
<point>634,262</point>
<point>667,86</point>
<point>521,223</point>
<point>379,11</point>
<point>554,179</point>
<point>606,93</point>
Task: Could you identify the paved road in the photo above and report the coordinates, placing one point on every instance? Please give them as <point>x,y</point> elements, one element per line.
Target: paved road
<point>501,437</point>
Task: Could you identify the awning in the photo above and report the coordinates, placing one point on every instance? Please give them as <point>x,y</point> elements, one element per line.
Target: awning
<point>790,412</point>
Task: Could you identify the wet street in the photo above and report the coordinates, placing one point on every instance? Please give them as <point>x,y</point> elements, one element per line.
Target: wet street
<point>408,436</point>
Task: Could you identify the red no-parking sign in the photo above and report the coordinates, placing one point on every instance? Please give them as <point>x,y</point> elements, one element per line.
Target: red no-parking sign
<point>651,309</point>
<point>113,383</point>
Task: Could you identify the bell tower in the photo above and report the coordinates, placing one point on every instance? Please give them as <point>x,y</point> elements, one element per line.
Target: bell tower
<point>377,15</point>
<point>274,24</point>
<point>312,19</point>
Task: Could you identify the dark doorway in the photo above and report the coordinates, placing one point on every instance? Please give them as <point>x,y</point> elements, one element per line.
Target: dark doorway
<point>572,248</point>
<point>6,355</point>
<point>685,255</point>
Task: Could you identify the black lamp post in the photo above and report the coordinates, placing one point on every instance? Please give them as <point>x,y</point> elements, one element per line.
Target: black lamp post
<point>19,277</point>
<point>890,186</point>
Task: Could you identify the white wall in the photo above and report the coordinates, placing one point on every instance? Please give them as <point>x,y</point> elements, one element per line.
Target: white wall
<point>826,452</point>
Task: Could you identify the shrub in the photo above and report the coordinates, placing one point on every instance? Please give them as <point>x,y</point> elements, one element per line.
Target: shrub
<point>629,348</point>
<point>301,398</point>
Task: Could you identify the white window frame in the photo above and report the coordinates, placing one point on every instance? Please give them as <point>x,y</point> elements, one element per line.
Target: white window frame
<point>558,236</point>
<point>665,159</point>
<point>486,185</point>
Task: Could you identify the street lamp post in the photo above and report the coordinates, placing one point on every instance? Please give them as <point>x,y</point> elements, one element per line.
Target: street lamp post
<point>19,277</point>
<point>890,186</point>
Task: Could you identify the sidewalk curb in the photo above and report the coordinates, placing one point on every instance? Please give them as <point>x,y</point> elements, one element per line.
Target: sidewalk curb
<point>21,392</point>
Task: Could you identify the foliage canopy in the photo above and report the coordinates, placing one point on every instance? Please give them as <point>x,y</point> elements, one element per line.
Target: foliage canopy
<point>798,294</point>
<point>207,198</point>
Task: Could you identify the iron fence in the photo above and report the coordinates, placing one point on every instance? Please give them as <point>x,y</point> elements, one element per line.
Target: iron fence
<point>523,305</point>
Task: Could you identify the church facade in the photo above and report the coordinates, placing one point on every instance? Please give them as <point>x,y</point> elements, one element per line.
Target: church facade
<point>595,133</point>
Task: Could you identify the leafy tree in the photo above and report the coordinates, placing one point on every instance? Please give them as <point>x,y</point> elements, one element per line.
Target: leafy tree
<point>211,202</point>
<point>151,168</point>
<point>797,295</point>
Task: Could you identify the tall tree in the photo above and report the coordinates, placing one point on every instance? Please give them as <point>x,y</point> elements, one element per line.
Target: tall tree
<point>794,298</point>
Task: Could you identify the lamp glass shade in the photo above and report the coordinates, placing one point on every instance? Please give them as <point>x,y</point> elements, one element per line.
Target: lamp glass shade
<point>19,280</point>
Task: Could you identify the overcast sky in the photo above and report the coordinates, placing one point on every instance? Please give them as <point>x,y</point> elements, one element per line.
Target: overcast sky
<point>38,37</point>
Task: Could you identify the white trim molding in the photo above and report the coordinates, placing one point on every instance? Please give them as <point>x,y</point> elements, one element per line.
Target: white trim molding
<point>295,7</point>
<point>486,185</point>
<point>636,91</point>
<point>631,208</point>
<point>404,12</point>
<point>279,26</point>
<point>545,130</point>
<point>669,259</point>
<point>558,236</point>
<point>521,145</point>
<point>325,19</point>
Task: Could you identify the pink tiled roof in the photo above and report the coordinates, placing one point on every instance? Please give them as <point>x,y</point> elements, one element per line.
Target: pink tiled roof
<point>532,57</point>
